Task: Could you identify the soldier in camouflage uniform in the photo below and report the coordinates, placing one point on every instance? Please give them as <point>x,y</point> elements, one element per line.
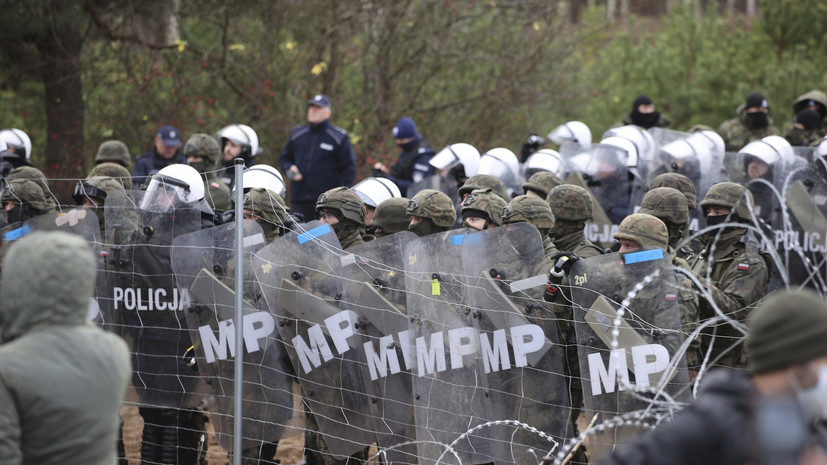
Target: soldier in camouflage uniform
<point>678,182</point>
<point>805,129</point>
<point>113,151</point>
<point>482,209</point>
<point>642,231</point>
<point>34,174</point>
<point>482,181</point>
<point>814,100</point>
<point>344,211</point>
<point>24,199</point>
<point>267,209</point>
<point>203,153</point>
<point>431,211</point>
<point>390,217</point>
<point>535,211</point>
<point>91,194</point>
<point>754,122</point>
<point>731,268</point>
<point>572,207</point>
<point>115,171</point>
<point>669,205</point>
<point>541,183</point>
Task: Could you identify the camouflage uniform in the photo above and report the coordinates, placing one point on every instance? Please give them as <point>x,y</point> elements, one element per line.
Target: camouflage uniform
<point>649,232</point>
<point>678,182</point>
<point>34,174</point>
<point>542,183</point>
<point>96,188</point>
<point>436,210</point>
<point>270,209</point>
<point>350,211</point>
<point>483,203</point>
<point>113,151</point>
<point>536,212</point>
<point>217,193</point>
<point>803,101</point>
<point>30,198</point>
<point>739,272</point>
<point>115,171</point>
<point>670,206</point>
<point>390,217</point>
<point>482,181</point>
<point>572,207</point>
<point>738,132</point>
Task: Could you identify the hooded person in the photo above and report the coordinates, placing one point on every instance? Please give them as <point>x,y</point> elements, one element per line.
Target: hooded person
<point>754,121</point>
<point>644,114</point>
<point>62,379</point>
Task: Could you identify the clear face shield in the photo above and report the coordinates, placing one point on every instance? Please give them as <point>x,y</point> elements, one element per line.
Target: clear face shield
<point>164,194</point>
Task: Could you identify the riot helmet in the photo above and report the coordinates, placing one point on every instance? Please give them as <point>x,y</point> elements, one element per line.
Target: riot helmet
<point>571,132</point>
<point>485,204</point>
<point>374,191</point>
<point>113,151</point>
<point>544,160</point>
<point>241,135</point>
<point>461,159</point>
<point>265,177</point>
<point>18,141</point>
<point>171,185</point>
<point>760,157</point>
<point>500,163</point>
<point>641,139</point>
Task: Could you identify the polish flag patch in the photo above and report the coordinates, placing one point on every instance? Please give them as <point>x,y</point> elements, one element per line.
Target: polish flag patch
<point>743,266</point>
<point>671,297</point>
<point>214,185</point>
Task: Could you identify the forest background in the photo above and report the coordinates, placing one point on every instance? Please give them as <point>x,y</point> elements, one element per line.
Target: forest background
<point>78,72</point>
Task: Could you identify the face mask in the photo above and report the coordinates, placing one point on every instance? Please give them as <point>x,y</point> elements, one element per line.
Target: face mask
<point>16,215</point>
<point>759,119</point>
<point>645,120</point>
<point>423,228</point>
<point>407,147</point>
<point>201,166</point>
<point>813,401</point>
<point>715,221</point>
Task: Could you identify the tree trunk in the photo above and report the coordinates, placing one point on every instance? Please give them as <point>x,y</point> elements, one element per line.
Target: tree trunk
<point>60,70</point>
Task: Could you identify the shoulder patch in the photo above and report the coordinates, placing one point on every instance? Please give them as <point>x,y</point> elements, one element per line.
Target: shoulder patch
<point>214,185</point>
<point>743,266</point>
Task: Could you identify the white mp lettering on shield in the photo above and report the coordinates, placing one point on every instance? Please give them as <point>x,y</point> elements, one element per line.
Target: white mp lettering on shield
<point>648,360</point>
<point>258,325</point>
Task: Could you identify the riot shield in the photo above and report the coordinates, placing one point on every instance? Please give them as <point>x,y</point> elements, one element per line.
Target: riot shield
<point>299,275</point>
<point>445,354</point>
<point>522,372</point>
<point>374,287</point>
<point>204,265</point>
<point>601,228</point>
<point>145,302</point>
<point>630,343</point>
<point>603,168</point>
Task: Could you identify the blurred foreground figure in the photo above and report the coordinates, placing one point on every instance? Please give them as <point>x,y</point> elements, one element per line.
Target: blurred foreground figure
<point>62,379</point>
<point>767,416</point>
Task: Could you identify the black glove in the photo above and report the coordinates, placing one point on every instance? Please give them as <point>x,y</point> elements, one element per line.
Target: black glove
<point>563,261</point>
<point>532,143</point>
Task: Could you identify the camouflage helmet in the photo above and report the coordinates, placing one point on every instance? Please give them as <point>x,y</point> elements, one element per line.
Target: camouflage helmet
<point>344,201</point>
<point>115,171</point>
<point>28,192</point>
<point>202,145</point>
<point>529,209</point>
<point>32,174</point>
<point>391,215</point>
<point>667,204</point>
<point>542,182</point>
<point>484,203</point>
<point>113,151</point>
<point>730,195</point>
<point>644,230</point>
<point>679,182</point>
<point>482,181</point>
<point>96,187</point>
<point>570,203</point>
<point>266,204</point>
<point>433,205</point>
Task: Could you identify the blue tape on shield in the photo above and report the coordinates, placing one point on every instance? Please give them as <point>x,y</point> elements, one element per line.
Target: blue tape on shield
<point>314,233</point>
<point>474,238</point>
<point>17,233</point>
<point>644,256</point>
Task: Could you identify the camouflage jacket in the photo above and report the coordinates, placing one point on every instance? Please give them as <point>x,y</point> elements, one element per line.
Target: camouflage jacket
<point>736,281</point>
<point>689,305</point>
<point>218,194</point>
<point>352,239</point>
<point>804,137</point>
<point>736,132</point>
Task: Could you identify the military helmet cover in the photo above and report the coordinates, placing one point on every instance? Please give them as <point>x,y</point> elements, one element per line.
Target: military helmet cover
<point>644,230</point>
<point>542,182</point>
<point>391,215</point>
<point>667,204</point>
<point>679,182</point>
<point>113,151</point>
<point>484,201</point>
<point>202,145</point>
<point>730,195</point>
<point>570,203</point>
<point>433,205</point>
<point>345,201</point>
<point>482,181</point>
<point>529,209</point>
